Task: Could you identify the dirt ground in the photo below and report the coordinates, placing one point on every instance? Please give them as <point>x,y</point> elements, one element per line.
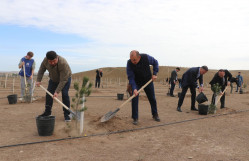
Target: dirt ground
<point>179,136</point>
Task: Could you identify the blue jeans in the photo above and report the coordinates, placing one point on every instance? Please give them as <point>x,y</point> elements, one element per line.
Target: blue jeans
<point>65,97</point>
<point>149,90</point>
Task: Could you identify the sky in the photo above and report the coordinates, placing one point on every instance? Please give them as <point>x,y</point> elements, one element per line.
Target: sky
<point>93,34</point>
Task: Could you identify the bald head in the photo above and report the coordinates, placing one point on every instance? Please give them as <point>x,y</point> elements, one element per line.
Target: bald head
<point>135,56</point>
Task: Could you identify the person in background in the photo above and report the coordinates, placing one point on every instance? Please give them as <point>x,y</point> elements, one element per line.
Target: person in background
<point>99,74</point>
<point>223,78</point>
<point>29,65</point>
<point>180,82</point>
<point>173,81</point>
<point>139,73</point>
<point>189,80</point>
<point>60,81</point>
<point>240,81</point>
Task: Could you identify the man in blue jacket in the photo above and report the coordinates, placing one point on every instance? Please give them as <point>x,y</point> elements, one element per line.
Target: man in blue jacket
<point>29,65</point>
<point>138,72</point>
<point>189,80</point>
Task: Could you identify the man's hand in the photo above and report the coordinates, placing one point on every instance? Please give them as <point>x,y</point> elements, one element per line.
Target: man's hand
<point>228,83</point>
<point>135,92</point>
<point>55,95</point>
<point>200,89</point>
<point>154,77</point>
<point>38,84</point>
<point>31,77</point>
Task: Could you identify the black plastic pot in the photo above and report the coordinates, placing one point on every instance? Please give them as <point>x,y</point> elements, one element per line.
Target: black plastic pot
<point>45,125</point>
<point>120,96</point>
<point>179,94</point>
<point>12,98</point>
<point>203,109</point>
<point>201,98</point>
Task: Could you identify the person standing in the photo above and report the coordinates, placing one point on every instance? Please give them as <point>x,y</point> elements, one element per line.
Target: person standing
<point>189,80</point>
<point>60,81</point>
<point>139,73</point>
<point>29,65</point>
<point>240,81</point>
<point>173,81</point>
<point>223,78</point>
<point>99,74</point>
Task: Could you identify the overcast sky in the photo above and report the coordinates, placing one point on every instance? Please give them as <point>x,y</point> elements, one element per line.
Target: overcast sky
<point>93,34</point>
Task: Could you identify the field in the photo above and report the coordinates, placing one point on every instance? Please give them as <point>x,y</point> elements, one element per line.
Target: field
<point>179,136</point>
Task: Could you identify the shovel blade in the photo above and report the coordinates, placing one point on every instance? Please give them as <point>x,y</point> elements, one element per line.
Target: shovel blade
<point>109,115</point>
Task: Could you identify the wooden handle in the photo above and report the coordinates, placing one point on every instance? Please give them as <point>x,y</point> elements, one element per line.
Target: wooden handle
<point>24,74</point>
<point>134,94</point>
<point>221,95</point>
<point>54,98</point>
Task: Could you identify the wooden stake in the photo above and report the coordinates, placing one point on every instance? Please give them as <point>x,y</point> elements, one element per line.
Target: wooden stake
<point>6,76</point>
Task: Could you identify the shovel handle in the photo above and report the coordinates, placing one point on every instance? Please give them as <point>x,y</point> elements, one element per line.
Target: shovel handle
<point>24,74</point>
<point>221,95</point>
<point>55,98</point>
<point>134,94</point>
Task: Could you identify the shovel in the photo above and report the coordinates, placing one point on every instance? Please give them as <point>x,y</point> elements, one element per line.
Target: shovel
<point>78,117</point>
<point>216,102</point>
<point>111,114</point>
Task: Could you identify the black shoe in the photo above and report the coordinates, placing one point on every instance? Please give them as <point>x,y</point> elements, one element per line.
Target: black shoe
<point>178,109</point>
<point>135,121</point>
<point>156,118</point>
<point>67,118</point>
<point>45,113</point>
<point>194,109</point>
<point>172,95</point>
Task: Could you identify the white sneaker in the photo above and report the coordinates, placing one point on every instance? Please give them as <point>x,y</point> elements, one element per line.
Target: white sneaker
<point>20,99</point>
<point>33,99</point>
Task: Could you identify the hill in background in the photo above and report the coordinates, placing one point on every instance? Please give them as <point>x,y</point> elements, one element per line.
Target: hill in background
<point>114,73</point>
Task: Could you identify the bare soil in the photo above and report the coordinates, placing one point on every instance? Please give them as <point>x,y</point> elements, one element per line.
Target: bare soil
<point>179,136</point>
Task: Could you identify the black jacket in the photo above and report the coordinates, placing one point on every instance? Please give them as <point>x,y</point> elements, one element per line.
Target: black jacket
<point>189,78</point>
<point>222,82</point>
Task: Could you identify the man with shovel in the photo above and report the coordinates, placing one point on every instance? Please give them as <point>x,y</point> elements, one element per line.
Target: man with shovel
<point>29,65</point>
<point>138,72</point>
<point>189,80</point>
<point>60,80</point>
<point>223,78</point>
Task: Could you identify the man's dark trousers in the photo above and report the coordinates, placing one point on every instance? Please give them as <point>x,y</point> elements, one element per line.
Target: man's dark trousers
<point>172,88</point>
<point>222,99</point>
<point>149,90</point>
<point>184,91</point>
<point>65,97</point>
<point>97,82</point>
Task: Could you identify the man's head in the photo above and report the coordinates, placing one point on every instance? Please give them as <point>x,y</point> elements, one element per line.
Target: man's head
<point>203,69</point>
<point>29,55</point>
<point>221,73</point>
<point>52,58</point>
<point>135,56</point>
<point>239,73</point>
<point>177,69</point>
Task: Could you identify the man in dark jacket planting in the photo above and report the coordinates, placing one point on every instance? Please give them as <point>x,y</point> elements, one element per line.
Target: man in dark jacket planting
<point>138,72</point>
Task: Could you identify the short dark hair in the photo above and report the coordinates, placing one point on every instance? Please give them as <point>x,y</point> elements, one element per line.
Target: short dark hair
<point>178,68</point>
<point>205,67</point>
<point>30,53</point>
<point>51,55</point>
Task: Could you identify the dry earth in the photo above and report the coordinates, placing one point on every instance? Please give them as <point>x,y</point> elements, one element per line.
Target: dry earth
<point>179,136</point>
